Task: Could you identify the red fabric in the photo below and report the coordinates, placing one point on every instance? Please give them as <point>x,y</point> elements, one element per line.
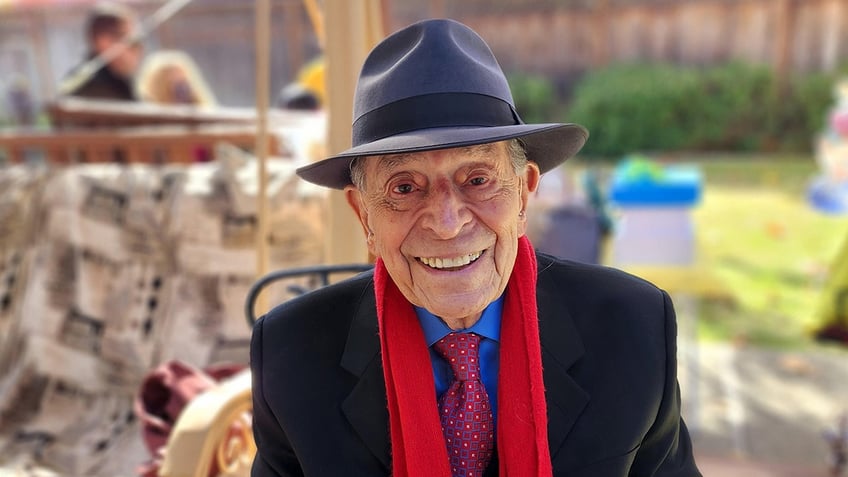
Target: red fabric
<point>418,446</point>
<point>163,394</point>
<point>464,409</point>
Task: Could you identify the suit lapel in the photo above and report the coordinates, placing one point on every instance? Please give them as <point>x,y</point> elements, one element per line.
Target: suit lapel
<point>365,407</point>
<point>561,348</point>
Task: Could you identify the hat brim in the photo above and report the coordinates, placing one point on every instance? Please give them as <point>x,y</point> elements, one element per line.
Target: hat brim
<point>548,145</point>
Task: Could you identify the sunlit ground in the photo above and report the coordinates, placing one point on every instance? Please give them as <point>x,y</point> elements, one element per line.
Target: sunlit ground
<point>759,393</point>
<point>770,248</point>
<point>761,239</point>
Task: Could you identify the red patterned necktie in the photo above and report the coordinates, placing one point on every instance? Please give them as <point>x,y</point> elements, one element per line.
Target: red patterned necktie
<point>467,420</point>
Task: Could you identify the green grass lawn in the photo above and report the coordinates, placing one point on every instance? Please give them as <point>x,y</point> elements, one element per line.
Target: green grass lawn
<point>759,237</point>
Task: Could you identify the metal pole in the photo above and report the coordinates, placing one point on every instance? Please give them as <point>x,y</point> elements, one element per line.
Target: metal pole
<point>263,54</point>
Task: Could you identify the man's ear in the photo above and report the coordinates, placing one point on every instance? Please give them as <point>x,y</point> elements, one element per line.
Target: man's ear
<point>531,179</point>
<point>357,203</point>
<point>532,176</point>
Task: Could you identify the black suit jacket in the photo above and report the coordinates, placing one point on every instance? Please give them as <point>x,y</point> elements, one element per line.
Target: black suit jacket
<point>609,358</point>
<point>104,84</point>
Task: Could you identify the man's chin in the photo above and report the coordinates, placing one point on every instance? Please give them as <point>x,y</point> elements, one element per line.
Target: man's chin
<point>453,305</point>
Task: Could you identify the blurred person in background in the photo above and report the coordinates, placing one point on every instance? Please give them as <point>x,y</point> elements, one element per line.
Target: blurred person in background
<point>308,92</point>
<point>20,101</point>
<point>295,96</point>
<point>108,25</point>
<point>172,77</point>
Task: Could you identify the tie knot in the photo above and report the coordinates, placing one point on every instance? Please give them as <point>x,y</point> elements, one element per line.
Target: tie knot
<point>461,351</point>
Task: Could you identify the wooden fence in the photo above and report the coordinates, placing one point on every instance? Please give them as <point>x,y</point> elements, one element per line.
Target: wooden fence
<point>560,38</point>
<point>564,38</point>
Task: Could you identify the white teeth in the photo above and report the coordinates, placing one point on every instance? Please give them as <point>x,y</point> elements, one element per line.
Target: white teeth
<point>450,262</point>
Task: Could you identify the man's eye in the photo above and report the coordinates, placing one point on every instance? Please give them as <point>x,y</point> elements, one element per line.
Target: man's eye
<point>403,189</point>
<point>478,181</point>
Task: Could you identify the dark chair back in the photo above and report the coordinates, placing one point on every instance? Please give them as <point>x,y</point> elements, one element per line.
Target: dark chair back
<point>320,272</point>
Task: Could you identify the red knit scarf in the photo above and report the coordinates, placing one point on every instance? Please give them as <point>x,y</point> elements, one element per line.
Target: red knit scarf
<point>418,446</point>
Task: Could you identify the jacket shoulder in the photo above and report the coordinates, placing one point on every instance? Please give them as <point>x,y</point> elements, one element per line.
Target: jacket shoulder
<point>602,296</point>
<point>592,279</point>
<point>329,306</point>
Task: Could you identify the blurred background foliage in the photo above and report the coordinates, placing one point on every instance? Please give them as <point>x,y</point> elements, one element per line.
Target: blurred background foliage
<point>736,107</point>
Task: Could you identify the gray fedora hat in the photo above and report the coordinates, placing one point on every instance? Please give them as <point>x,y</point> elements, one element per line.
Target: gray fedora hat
<point>437,85</point>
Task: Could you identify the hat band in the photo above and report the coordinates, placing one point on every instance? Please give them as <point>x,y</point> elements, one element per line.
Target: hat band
<point>438,110</point>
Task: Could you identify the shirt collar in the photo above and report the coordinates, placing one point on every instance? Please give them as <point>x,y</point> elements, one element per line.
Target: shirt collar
<point>488,326</point>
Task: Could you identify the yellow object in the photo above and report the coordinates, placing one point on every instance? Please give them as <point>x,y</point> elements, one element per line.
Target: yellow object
<point>312,77</point>
<point>831,310</point>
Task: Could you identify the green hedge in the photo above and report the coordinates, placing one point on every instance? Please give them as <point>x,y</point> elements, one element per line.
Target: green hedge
<point>535,97</point>
<point>736,107</point>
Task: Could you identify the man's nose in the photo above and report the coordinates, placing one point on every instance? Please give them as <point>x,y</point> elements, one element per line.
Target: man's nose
<point>447,211</point>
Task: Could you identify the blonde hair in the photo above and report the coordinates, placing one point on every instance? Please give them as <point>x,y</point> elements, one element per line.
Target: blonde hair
<point>155,85</point>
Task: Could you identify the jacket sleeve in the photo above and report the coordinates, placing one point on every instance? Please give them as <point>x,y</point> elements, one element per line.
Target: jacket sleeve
<point>274,454</point>
<point>666,450</point>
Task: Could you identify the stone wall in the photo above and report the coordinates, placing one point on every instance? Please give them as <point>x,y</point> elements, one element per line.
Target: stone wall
<point>107,271</point>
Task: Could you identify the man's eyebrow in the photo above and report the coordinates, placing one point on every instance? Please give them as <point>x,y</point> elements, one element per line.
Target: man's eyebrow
<point>394,160</point>
<point>478,150</point>
<point>391,161</point>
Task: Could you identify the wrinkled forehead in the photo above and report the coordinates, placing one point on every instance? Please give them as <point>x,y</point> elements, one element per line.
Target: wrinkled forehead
<point>494,152</point>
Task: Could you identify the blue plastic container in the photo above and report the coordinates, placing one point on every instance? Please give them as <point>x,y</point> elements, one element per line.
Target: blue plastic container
<point>640,184</point>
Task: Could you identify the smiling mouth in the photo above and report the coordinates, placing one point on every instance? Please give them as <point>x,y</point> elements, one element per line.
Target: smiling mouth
<point>450,263</point>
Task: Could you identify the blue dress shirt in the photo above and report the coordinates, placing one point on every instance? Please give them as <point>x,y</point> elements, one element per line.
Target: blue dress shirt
<point>489,329</point>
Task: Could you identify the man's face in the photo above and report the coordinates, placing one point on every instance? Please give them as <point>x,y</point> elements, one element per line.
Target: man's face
<point>446,223</point>
<point>128,59</point>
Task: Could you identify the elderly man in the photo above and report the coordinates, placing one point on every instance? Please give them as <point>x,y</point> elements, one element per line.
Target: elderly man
<point>464,353</point>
